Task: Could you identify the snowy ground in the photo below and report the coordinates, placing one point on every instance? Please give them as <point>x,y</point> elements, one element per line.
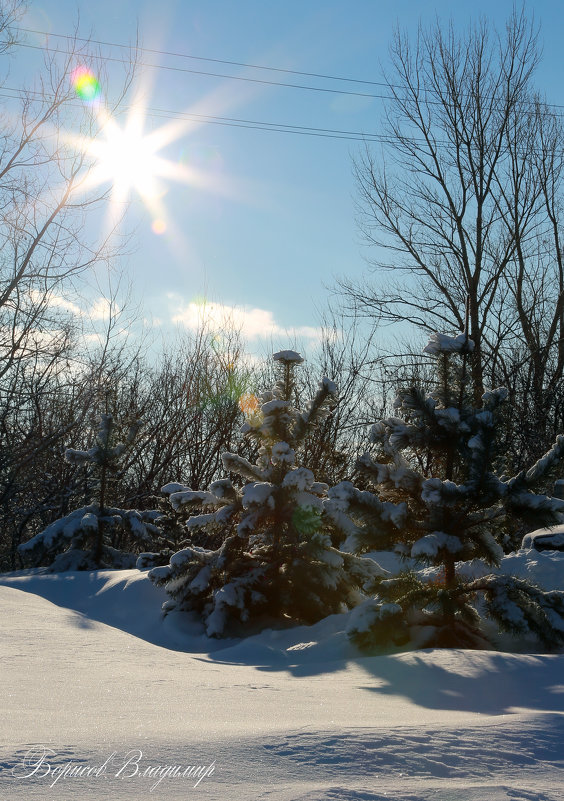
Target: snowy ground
<point>93,678</point>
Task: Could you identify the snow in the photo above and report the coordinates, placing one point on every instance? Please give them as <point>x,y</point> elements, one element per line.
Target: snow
<point>366,614</point>
<point>77,457</point>
<point>494,397</point>
<point>431,544</point>
<point>397,472</point>
<point>258,494</point>
<point>92,672</point>
<point>449,418</point>
<point>545,539</point>
<point>202,579</point>
<point>441,343</point>
<point>180,558</point>
<point>476,442</point>
<point>400,431</point>
<point>287,356</point>
<point>549,459</point>
<point>340,497</point>
<point>234,463</point>
<point>199,521</point>
<point>89,521</point>
<point>223,516</point>
<point>301,479</point>
<point>187,497</point>
<point>247,524</point>
<point>275,406</point>
<point>66,526</point>
<point>434,491</point>
<point>174,486</point>
<point>85,521</point>
<point>223,488</point>
<point>282,454</point>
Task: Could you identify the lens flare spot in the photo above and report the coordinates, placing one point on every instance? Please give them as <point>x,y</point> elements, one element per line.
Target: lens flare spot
<point>158,227</point>
<point>85,84</point>
<point>217,344</point>
<point>203,157</point>
<point>249,404</point>
<point>307,520</point>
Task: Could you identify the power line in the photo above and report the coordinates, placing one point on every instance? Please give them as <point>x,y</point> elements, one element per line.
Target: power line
<point>269,126</point>
<point>258,125</point>
<point>209,74</point>
<point>261,125</point>
<point>138,49</point>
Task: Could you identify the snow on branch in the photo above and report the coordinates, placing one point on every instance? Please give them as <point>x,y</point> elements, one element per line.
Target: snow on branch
<point>393,474</point>
<point>290,356</point>
<point>441,343</point>
<point>540,468</point>
<point>192,498</point>
<point>238,464</point>
<point>432,544</point>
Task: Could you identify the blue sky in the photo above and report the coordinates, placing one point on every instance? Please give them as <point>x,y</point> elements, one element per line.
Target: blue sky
<point>283,223</point>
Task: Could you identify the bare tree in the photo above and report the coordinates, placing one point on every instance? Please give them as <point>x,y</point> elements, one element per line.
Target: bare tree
<point>189,401</point>
<point>344,355</point>
<point>464,205</point>
<point>45,248</point>
<point>44,242</point>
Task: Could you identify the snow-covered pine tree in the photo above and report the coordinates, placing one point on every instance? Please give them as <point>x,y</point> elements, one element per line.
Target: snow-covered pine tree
<point>90,537</point>
<point>438,457</point>
<point>276,564</point>
<point>173,534</point>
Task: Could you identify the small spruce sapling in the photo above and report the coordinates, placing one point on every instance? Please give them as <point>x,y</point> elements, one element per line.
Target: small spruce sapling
<point>173,534</point>
<point>88,538</point>
<point>276,564</point>
<point>438,459</point>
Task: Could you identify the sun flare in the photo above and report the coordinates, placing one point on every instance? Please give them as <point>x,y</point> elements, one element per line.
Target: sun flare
<point>131,157</point>
<point>128,159</point>
<point>131,161</point>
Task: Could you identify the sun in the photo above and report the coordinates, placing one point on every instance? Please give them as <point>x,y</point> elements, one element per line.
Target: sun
<point>129,156</point>
<point>129,159</point>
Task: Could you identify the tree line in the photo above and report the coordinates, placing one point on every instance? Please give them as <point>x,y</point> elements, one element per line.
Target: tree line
<point>462,210</point>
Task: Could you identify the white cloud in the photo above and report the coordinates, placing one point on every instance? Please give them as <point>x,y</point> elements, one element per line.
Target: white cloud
<point>152,322</point>
<point>101,309</point>
<point>55,301</point>
<point>97,309</point>
<point>253,323</point>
